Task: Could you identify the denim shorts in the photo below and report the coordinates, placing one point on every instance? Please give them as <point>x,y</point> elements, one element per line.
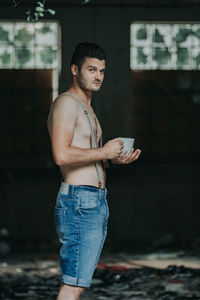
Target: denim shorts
<point>81,216</point>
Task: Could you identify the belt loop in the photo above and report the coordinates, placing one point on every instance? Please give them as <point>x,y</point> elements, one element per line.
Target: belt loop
<point>64,188</point>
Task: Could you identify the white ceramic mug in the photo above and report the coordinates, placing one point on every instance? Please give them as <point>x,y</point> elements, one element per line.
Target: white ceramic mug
<point>128,145</point>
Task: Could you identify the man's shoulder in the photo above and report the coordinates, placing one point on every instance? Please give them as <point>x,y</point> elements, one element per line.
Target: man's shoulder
<point>65,98</point>
<point>65,101</point>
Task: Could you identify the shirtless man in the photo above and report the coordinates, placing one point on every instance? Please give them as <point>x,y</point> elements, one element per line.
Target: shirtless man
<point>81,212</point>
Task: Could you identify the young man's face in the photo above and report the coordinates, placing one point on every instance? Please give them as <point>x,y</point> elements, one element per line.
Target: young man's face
<point>91,74</point>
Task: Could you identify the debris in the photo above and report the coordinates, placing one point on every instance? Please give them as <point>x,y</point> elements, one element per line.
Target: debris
<point>35,277</point>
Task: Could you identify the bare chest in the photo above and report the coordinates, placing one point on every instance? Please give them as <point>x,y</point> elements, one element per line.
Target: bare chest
<point>83,127</point>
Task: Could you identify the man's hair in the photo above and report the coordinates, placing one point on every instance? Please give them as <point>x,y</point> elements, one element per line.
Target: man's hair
<point>87,50</point>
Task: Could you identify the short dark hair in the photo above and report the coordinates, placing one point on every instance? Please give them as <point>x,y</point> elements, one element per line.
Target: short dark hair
<point>84,50</point>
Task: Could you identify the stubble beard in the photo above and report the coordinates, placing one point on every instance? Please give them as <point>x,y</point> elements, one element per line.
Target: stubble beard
<point>85,85</point>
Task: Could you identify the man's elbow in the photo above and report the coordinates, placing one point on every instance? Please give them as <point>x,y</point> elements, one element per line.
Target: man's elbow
<point>60,160</point>
<point>62,157</point>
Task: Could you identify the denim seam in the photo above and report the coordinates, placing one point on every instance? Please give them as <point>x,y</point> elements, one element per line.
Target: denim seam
<point>76,281</point>
<point>78,249</point>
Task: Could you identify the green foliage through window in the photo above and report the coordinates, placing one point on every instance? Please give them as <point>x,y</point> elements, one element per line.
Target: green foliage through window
<point>48,55</point>
<point>23,55</point>
<point>182,56</point>
<point>24,36</point>
<point>142,33</point>
<point>5,57</point>
<point>141,57</point>
<point>162,56</point>
<point>182,35</point>
<point>158,38</point>
<point>32,45</point>
<point>165,46</point>
<point>4,35</point>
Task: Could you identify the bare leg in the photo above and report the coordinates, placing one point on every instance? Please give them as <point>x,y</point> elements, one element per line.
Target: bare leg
<point>69,292</point>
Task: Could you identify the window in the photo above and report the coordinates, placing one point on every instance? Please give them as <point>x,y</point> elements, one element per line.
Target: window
<point>29,68</point>
<point>165,46</point>
<point>165,64</point>
<point>30,46</point>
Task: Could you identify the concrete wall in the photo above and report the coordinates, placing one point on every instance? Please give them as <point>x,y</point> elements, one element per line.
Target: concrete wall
<point>146,199</point>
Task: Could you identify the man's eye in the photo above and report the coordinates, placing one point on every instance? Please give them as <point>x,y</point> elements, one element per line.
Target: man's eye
<point>91,70</point>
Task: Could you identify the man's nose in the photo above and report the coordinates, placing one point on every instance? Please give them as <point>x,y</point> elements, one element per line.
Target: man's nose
<point>98,75</point>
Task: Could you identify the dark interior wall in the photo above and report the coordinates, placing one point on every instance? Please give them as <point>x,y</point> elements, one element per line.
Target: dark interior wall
<point>150,200</point>
<point>109,26</point>
<point>146,199</point>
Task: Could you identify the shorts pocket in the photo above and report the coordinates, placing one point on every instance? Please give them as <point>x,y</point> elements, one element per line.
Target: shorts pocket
<point>65,197</point>
<point>62,199</point>
<point>88,202</point>
<point>59,217</point>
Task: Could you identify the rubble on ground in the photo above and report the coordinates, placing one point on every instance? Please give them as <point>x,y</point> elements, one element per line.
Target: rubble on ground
<point>34,277</point>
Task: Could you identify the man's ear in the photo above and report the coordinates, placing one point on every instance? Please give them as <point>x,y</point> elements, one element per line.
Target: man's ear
<point>74,70</point>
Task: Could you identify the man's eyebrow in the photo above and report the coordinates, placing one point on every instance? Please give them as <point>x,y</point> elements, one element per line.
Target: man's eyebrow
<point>91,66</point>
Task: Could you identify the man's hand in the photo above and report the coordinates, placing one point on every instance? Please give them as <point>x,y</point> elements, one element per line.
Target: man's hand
<point>127,159</point>
<point>113,148</point>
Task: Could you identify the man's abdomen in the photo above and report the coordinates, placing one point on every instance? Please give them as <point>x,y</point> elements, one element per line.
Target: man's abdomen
<point>83,175</point>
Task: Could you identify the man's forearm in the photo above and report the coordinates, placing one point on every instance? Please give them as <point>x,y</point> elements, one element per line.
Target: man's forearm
<point>74,156</point>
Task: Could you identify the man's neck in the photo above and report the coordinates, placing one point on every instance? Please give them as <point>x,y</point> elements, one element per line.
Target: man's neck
<point>83,95</point>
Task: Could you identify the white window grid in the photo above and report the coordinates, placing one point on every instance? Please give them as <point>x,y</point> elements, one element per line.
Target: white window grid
<point>175,51</point>
<point>31,46</point>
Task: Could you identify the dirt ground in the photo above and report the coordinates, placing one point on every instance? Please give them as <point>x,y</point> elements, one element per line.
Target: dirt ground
<point>153,276</point>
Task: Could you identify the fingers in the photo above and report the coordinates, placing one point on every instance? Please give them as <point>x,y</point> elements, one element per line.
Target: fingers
<point>131,157</point>
<point>124,155</point>
<point>120,143</point>
<point>124,158</point>
<point>138,153</point>
<point>118,140</point>
<point>135,155</point>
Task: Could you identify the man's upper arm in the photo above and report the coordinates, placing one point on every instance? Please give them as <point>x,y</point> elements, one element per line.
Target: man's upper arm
<point>63,119</point>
